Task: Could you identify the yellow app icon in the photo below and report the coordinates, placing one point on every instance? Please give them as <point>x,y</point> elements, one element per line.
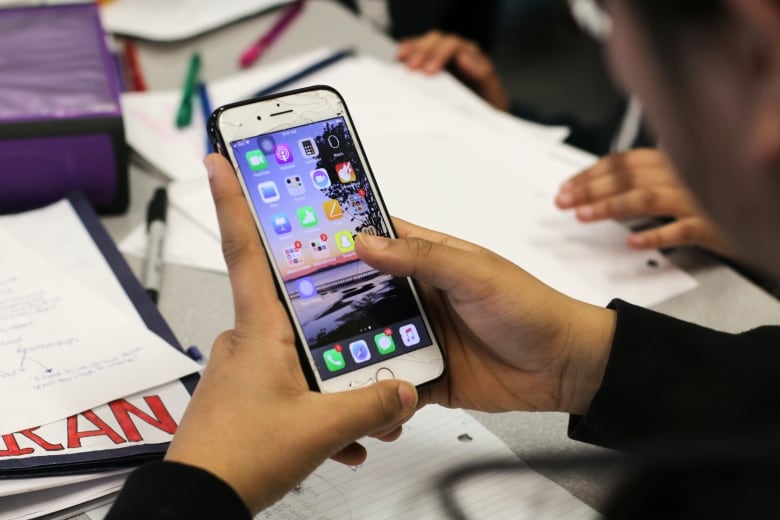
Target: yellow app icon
<point>345,242</point>
<point>332,209</point>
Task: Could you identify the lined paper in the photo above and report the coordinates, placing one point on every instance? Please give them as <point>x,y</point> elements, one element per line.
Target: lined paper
<point>398,479</point>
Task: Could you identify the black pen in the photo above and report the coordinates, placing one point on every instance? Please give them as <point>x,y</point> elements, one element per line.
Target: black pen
<point>307,71</point>
<point>155,232</point>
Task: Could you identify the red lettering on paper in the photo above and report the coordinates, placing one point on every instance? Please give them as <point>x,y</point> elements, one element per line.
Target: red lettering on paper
<point>75,436</point>
<point>162,420</point>
<point>40,441</point>
<point>12,447</point>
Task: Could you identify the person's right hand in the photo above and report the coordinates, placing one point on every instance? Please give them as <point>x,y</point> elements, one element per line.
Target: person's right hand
<point>434,51</point>
<point>640,183</point>
<point>511,342</point>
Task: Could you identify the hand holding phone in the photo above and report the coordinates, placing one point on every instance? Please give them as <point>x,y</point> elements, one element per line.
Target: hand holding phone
<point>310,189</point>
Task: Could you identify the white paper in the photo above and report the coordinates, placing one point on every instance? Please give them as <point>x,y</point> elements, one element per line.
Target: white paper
<point>397,481</point>
<point>171,20</point>
<point>59,342</point>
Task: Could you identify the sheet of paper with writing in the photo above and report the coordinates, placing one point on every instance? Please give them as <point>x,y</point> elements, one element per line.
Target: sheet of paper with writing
<point>398,479</point>
<point>63,350</point>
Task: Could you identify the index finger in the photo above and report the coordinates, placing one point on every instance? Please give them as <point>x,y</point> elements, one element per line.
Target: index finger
<point>250,276</point>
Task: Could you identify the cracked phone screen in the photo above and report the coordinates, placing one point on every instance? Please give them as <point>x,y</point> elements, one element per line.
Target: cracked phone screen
<point>312,195</point>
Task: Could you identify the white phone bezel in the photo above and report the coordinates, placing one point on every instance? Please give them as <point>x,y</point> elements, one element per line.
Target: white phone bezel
<point>288,110</point>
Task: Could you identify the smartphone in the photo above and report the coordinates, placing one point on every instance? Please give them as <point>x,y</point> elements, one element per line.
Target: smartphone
<point>310,188</point>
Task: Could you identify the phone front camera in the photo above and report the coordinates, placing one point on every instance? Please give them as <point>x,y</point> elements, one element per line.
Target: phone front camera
<point>259,118</point>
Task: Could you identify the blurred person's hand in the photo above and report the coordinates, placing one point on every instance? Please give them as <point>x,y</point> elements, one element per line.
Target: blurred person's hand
<point>435,51</point>
<point>641,183</point>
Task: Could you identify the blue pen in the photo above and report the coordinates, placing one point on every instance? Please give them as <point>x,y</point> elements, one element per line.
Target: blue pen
<point>205,106</point>
<point>311,69</point>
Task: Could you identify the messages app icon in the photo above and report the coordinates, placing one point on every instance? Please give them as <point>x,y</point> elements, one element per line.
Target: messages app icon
<point>256,160</point>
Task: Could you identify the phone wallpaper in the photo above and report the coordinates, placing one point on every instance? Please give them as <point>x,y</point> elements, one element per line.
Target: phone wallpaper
<point>312,196</point>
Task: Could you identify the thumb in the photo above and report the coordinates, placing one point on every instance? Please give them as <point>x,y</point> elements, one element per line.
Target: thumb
<point>372,409</point>
<point>430,262</point>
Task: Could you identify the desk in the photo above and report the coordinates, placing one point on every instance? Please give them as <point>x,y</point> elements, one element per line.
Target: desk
<point>723,299</point>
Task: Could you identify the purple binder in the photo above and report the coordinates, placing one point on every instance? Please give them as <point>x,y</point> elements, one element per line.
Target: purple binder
<point>60,119</point>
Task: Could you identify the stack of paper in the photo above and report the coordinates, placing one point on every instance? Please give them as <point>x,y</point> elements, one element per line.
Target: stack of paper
<point>442,158</point>
<point>86,388</point>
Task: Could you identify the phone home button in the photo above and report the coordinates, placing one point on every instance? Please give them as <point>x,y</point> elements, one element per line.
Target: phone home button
<point>384,374</point>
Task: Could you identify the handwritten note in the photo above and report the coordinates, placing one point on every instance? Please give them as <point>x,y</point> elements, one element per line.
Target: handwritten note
<point>63,349</point>
<point>398,479</point>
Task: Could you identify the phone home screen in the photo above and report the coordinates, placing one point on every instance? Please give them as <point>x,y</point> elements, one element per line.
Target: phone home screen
<point>311,195</point>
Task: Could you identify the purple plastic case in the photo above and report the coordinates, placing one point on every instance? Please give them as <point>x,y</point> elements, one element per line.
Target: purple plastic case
<point>60,118</point>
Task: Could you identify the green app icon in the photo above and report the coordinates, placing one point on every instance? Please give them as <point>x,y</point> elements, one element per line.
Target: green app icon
<point>256,160</point>
<point>307,217</point>
<point>384,343</point>
<point>334,359</point>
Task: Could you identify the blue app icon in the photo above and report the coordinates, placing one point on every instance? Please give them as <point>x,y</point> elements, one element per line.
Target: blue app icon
<point>306,288</point>
<point>281,224</point>
<point>359,351</point>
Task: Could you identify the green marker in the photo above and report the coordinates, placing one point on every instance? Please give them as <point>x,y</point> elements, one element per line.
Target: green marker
<point>184,115</point>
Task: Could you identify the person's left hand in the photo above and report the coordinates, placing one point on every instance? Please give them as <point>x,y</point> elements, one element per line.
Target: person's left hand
<point>253,421</point>
<point>642,183</point>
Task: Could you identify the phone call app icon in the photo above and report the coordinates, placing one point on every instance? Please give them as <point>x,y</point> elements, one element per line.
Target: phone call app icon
<point>332,209</point>
<point>281,224</point>
<point>334,359</point>
<point>256,160</point>
<point>384,342</point>
<point>359,350</point>
<point>283,154</point>
<point>320,178</point>
<point>294,185</point>
<point>345,172</point>
<point>268,191</point>
<point>308,147</point>
<point>307,217</point>
<point>409,335</point>
<point>345,242</point>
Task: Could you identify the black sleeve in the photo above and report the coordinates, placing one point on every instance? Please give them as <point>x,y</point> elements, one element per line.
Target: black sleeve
<point>172,491</point>
<point>669,380</point>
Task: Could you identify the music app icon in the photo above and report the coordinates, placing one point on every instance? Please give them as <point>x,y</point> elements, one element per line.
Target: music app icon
<point>409,335</point>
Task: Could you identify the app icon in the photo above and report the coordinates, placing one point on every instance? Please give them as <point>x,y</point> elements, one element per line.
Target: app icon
<point>256,160</point>
<point>345,242</point>
<point>332,209</point>
<point>308,147</point>
<point>281,224</point>
<point>268,191</point>
<point>334,359</point>
<point>384,343</point>
<point>267,144</point>
<point>283,154</point>
<point>359,351</point>
<point>306,288</point>
<point>409,335</point>
<point>357,205</point>
<point>319,247</point>
<point>333,141</point>
<point>320,178</point>
<point>293,255</point>
<point>345,172</point>
<point>294,185</point>
<point>307,217</point>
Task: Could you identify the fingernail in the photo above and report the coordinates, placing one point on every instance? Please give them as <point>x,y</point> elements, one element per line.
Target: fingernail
<point>408,395</point>
<point>585,212</point>
<point>636,240</point>
<point>564,200</point>
<point>210,167</point>
<point>566,186</point>
<point>374,241</point>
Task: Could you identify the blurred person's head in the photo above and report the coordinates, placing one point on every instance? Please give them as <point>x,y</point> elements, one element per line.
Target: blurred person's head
<point>708,75</point>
